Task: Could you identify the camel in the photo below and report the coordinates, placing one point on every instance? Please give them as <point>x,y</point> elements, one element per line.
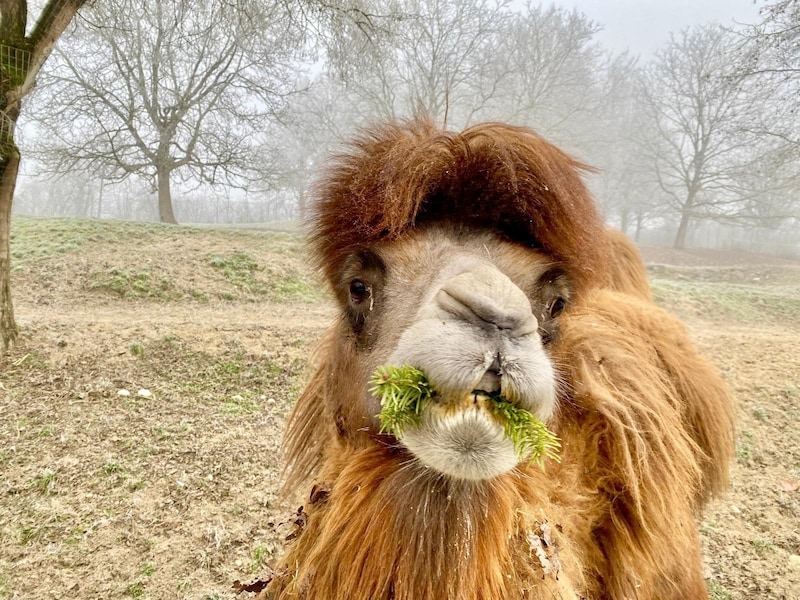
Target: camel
<point>480,258</point>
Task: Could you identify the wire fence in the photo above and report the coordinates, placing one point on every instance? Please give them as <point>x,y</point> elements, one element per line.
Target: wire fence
<point>14,62</point>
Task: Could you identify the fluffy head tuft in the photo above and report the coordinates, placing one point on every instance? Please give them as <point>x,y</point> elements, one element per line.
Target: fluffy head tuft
<point>495,176</point>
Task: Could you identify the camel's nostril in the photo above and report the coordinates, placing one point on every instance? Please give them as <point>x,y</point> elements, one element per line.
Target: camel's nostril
<point>490,381</point>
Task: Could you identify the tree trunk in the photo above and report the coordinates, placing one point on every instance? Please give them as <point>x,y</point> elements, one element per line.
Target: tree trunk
<point>302,204</point>
<point>639,223</point>
<point>9,165</point>
<point>683,228</point>
<point>625,217</point>
<point>100,199</point>
<point>165,212</point>
<point>29,54</point>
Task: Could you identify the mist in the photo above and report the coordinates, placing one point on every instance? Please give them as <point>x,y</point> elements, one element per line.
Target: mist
<point>220,116</point>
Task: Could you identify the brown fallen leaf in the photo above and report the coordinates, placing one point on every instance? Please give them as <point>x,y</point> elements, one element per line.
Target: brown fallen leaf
<point>319,493</point>
<point>253,587</point>
<point>299,522</point>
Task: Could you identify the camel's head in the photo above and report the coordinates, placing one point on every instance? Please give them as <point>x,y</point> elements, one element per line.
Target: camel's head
<point>454,254</point>
<point>474,312</point>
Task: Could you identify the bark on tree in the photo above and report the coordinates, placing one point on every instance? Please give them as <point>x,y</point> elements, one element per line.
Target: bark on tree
<point>22,58</point>
<point>686,216</point>
<point>639,224</point>
<point>165,212</point>
<point>683,228</point>
<point>625,220</point>
<point>8,178</point>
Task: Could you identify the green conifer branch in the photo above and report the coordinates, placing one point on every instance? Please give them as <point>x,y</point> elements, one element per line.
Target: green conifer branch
<point>529,435</point>
<point>403,392</point>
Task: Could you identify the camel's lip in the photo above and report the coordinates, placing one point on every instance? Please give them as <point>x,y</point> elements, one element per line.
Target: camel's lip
<point>467,442</point>
<point>442,407</point>
<point>454,402</point>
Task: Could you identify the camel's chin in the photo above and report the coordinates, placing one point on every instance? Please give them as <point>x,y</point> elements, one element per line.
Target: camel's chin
<point>467,444</point>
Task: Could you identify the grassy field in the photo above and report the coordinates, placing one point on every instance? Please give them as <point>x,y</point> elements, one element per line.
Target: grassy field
<point>141,412</point>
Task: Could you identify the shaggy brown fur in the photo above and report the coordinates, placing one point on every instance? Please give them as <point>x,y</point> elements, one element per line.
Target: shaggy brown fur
<point>390,530</point>
<point>646,424</point>
<point>651,429</point>
<point>494,176</point>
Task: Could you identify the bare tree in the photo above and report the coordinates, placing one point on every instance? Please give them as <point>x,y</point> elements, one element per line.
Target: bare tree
<point>321,118</point>
<point>412,56</point>
<point>22,55</point>
<point>552,64</point>
<point>776,40</point>
<point>773,61</point>
<point>75,195</point>
<point>463,61</point>
<point>624,182</point>
<point>431,56</point>
<point>179,91</point>
<point>701,107</point>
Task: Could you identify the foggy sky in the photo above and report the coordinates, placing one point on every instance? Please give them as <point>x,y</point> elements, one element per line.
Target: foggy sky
<point>643,26</point>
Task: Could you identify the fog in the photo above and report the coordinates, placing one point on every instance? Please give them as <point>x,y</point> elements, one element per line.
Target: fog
<point>643,26</point>
<point>199,113</point>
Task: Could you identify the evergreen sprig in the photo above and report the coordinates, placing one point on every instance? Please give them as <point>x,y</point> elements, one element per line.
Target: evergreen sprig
<point>405,390</point>
<point>531,437</point>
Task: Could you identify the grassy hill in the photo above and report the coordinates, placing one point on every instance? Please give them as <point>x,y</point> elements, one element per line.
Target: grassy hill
<point>160,262</point>
<point>81,258</point>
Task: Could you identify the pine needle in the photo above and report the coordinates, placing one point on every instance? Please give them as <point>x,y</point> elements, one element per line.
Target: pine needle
<point>405,390</point>
<point>531,437</point>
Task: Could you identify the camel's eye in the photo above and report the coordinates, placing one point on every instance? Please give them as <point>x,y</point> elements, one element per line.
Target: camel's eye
<point>359,291</point>
<point>557,306</point>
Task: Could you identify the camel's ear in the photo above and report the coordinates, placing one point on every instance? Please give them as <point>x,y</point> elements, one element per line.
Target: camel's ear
<point>626,271</point>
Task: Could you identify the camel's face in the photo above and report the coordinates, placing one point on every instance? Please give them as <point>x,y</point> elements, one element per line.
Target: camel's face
<point>472,311</point>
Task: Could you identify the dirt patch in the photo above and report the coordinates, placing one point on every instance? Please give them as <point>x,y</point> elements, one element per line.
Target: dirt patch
<point>143,451</point>
<point>751,537</point>
<point>140,434</point>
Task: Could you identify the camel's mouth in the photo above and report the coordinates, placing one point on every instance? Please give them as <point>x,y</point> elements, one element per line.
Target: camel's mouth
<point>464,442</point>
<point>474,436</point>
